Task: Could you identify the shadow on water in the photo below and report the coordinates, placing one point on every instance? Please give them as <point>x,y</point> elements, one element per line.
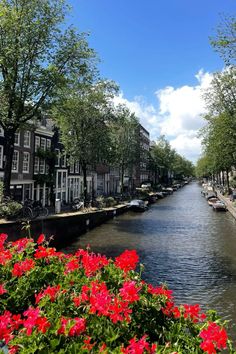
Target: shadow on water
<point>181,241</point>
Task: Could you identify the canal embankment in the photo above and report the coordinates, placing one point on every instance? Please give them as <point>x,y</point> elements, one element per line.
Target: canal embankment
<point>230,205</point>
<point>63,227</point>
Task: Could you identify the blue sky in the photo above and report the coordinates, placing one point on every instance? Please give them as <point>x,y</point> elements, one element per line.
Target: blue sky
<point>159,54</point>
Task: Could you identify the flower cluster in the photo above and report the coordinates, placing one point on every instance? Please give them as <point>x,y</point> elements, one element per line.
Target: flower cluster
<point>214,338</point>
<point>83,302</point>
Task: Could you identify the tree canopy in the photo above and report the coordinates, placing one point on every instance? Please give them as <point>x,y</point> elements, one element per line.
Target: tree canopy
<point>38,55</point>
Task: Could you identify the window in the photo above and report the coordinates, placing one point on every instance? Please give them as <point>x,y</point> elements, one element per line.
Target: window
<point>57,162</point>
<point>46,169</point>
<point>48,144</point>
<point>36,164</point>
<point>42,166</point>
<point>1,131</point>
<point>77,167</point>
<point>17,138</point>
<point>72,168</point>
<point>15,161</point>
<point>43,143</point>
<point>27,138</point>
<point>63,159</point>
<point>1,156</point>
<point>37,143</point>
<point>26,162</point>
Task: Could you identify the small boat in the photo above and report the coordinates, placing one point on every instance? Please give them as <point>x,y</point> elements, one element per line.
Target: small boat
<point>219,206</point>
<point>160,195</point>
<point>137,205</point>
<point>213,200</point>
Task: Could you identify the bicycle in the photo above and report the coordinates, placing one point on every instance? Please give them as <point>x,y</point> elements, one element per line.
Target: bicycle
<point>39,210</point>
<point>25,213</point>
<point>32,209</point>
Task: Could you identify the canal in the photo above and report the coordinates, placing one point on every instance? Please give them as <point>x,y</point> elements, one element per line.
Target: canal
<point>181,241</point>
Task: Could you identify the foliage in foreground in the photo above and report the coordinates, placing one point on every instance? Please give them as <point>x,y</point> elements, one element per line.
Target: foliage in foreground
<point>51,302</point>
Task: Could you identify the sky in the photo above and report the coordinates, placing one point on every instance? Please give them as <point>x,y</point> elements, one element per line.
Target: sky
<point>159,53</point>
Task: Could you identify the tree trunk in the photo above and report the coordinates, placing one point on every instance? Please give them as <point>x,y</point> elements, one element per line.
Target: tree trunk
<point>227,180</point>
<point>84,169</point>
<point>223,178</point>
<point>122,179</point>
<point>8,152</point>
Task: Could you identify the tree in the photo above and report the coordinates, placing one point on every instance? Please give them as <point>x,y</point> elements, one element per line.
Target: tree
<point>83,116</point>
<point>36,58</point>
<point>220,97</point>
<point>125,141</point>
<point>225,40</point>
<point>219,139</point>
<point>182,167</point>
<point>203,167</point>
<point>162,156</point>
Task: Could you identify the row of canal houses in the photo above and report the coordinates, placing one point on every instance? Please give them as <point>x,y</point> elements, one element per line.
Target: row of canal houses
<point>41,169</point>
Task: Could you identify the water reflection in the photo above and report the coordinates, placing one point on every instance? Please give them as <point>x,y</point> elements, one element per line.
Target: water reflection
<point>181,241</point>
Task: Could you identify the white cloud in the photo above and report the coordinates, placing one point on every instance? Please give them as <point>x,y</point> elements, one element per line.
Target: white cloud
<point>177,115</point>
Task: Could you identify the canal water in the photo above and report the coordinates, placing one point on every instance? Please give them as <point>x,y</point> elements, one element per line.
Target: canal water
<point>181,241</point>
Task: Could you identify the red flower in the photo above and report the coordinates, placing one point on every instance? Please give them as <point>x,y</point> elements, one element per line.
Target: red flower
<point>129,291</point>
<point>100,298</point>
<point>159,290</point>
<point>3,238</point>
<point>2,289</point>
<point>5,327</point>
<point>43,324</point>
<point>127,260</point>
<point>78,328</point>
<point>103,348</point>
<point>119,311</point>
<point>41,239</point>
<point>43,252</point>
<point>139,346</point>
<point>168,309</point>
<point>88,345</point>
<point>77,300</point>
<point>13,349</point>
<point>176,312</point>
<point>91,262</point>
<point>5,256</point>
<point>21,244</point>
<point>21,267</point>
<point>51,291</point>
<point>214,337</point>
<point>31,321</point>
<point>72,266</point>
<point>193,312</point>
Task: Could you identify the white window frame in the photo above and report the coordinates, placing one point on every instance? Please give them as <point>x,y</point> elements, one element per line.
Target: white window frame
<point>49,144</point>
<point>16,153</point>
<point>17,139</point>
<point>36,164</point>
<point>36,143</point>
<point>72,168</point>
<point>26,163</point>
<point>43,144</point>
<point>77,167</point>
<point>42,164</point>
<point>27,138</point>
<point>1,131</point>
<point>1,156</point>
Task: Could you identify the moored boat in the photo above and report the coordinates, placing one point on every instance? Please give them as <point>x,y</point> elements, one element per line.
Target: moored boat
<point>137,205</point>
<point>219,206</point>
<point>213,200</point>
